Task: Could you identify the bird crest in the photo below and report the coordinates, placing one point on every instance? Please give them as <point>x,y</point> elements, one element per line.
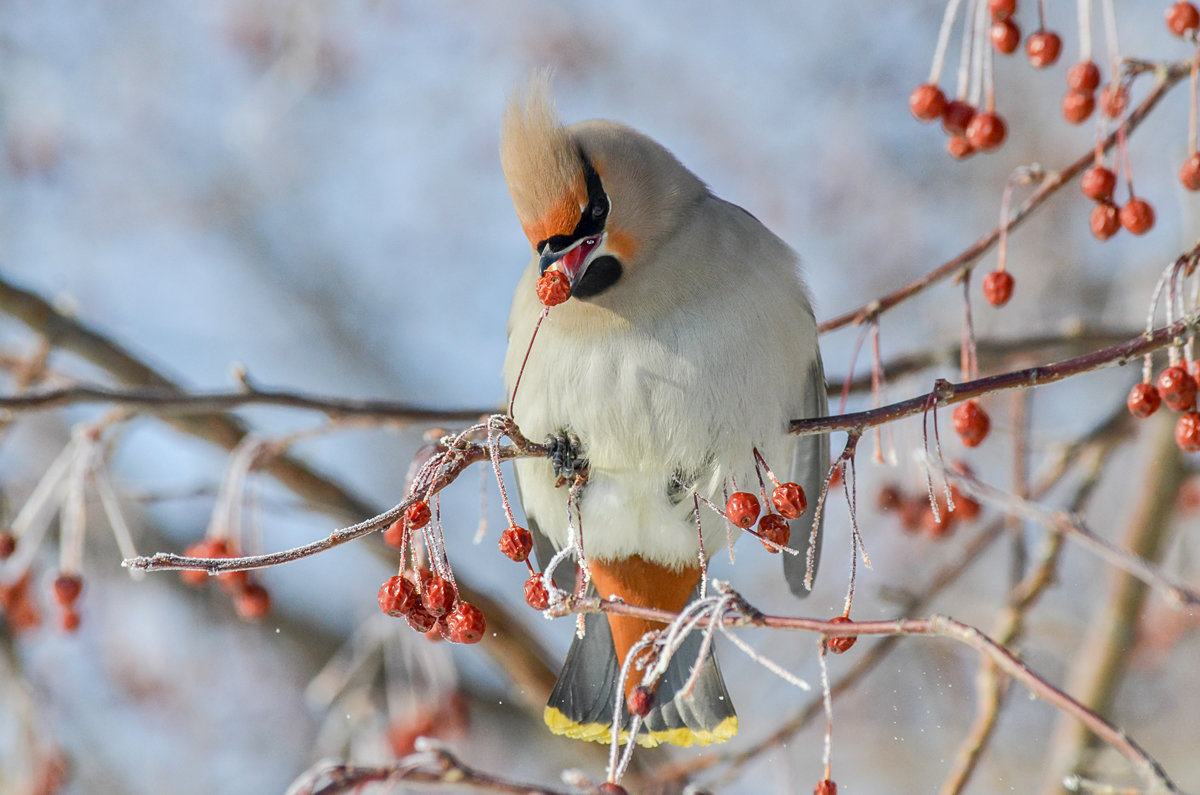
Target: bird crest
<point>542,164</point>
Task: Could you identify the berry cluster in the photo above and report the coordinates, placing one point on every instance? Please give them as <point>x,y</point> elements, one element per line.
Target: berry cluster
<point>916,514</point>
<point>1176,386</point>
<point>743,509</point>
<point>251,599</point>
<point>1183,19</point>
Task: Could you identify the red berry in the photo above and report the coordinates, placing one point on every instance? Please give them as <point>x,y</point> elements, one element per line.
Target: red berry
<point>1005,36</point>
<point>417,515</point>
<point>1083,76</point>
<point>8,544</point>
<point>466,624</point>
<point>1105,221</point>
<point>789,499</point>
<point>420,619</point>
<point>971,423</point>
<point>609,788</point>
<point>742,509</point>
<point>1077,106</point>
<point>1143,400</point>
<point>252,602</point>
<point>939,526</point>
<point>959,147</point>
<point>553,288</point>
<point>67,588</point>
<point>68,620</point>
<point>438,596</point>
<point>889,497</point>
<point>840,645</point>
<point>208,548</point>
<point>1113,98</point>
<point>1002,9</point>
<point>965,508</point>
<point>956,116</point>
<point>986,131</point>
<point>536,595</point>
<point>394,535</point>
<point>1177,388</point>
<point>1137,216</point>
<point>825,787</point>
<point>1189,172</point>
<point>1182,17</point>
<point>998,287</point>
<point>1098,183</point>
<point>927,102</point>
<point>774,528</point>
<point>1043,48</point>
<point>516,543</point>
<point>640,701</point>
<point>397,596</point>
<point>1187,432</point>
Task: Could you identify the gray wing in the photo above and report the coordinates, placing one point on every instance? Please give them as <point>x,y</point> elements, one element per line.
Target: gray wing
<point>810,462</point>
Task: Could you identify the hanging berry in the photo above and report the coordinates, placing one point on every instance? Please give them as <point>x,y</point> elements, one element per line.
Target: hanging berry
<point>840,644</point>
<point>1189,172</point>
<point>1098,183</point>
<point>438,596</point>
<point>420,619</point>
<point>640,701</point>
<point>971,423</point>
<point>1083,76</point>
<point>1143,400</point>
<point>1105,220</point>
<point>1177,388</point>
<point>516,543</point>
<point>825,787</point>
<point>774,528</point>
<point>1077,106</point>
<point>1182,18</point>
<point>466,624</point>
<point>956,116</point>
<point>986,131</point>
<point>417,515</point>
<point>397,596</point>
<point>252,602</point>
<point>536,595</point>
<point>1113,98</point>
<point>789,500</point>
<point>1001,9</point>
<point>998,287</point>
<point>927,102</point>
<point>959,147</point>
<point>1043,48</point>
<point>742,508</point>
<point>553,288</point>
<point>1006,36</point>
<point>67,588</point>
<point>1137,216</point>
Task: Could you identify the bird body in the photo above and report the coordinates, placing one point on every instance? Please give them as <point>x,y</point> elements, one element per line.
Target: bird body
<point>689,343</point>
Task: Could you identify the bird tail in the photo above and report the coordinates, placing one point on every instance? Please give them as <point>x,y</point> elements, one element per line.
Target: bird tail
<point>581,706</point>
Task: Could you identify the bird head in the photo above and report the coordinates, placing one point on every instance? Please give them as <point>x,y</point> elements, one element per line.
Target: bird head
<point>594,198</point>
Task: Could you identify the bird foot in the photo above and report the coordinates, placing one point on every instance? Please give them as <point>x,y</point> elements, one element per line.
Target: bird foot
<point>566,456</point>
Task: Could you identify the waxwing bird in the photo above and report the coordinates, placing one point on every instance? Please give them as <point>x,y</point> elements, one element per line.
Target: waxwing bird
<point>688,342</point>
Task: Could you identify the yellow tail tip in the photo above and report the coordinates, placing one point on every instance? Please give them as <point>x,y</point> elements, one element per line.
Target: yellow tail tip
<point>601,732</point>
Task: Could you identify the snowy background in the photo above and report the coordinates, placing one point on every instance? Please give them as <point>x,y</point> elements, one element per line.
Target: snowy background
<point>312,190</point>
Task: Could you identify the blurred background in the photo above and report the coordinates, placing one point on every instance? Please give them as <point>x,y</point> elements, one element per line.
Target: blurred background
<point>311,191</point>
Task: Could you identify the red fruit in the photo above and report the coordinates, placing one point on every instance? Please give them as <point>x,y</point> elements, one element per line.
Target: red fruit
<point>640,701</point>
<point>959,147</point>
<point>466,624</point>
<point>956,116</point>
<point>1098,183</point>
<point>438,595</point>
<point>1002,9</point>
<point>208,548</point>
<point>940,526</point>
<point>516,543</point>
<point>8,544</point>
<point>971,423</point>
<point>609,788</point>
<point>420,619</point>
<point>1187,432</point>
<point>912,513</point>
<point>835,479</point>
<point>742,509</point>
<point>394,535</point>
<point>889,497</point>
<point>1083,76</point>
<point>417,515</point>
<point>1143,400</point>
<point>1005,36</point>
<point>998,287</point>
<point>1137,216</point>
<point>927,102</point>
<point>1043,48</point>
<point>252,602</point>
<point>774,528</point>
<point>789,499</point>
<point>233,581</point>
<point>68,620</point>
<point>825,787</point>
<point>536,595</point>
<point>1077,106</point>
<point>1105,221</point>
<point>1113,98</point>
<point>1177,388</point>
<point>397,596</point>
<point>986,131</point>
<point>1189,172</point>
<point>67,588</point>
<point>553,288</point>
<point>965,508</point>
<point>840,645</point>
<point>1182,17</point>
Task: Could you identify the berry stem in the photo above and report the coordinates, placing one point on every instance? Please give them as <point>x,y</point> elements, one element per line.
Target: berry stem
<point>1123,159</point>
<point>1194,104</point>
<point>827,702</point>
<point>1041,15</point>
<point>977,36</point>
<point>700,542</point>
<point>879,397</point>
<point>512,400</point>
<point>1084,11</point>
<point>964,58</point>
<point>943,41</point>
<point>1110,37</point>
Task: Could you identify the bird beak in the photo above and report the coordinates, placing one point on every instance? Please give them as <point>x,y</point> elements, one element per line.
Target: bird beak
<point>573,260</point>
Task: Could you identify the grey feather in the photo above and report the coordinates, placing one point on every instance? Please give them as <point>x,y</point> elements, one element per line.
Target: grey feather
<point>810,463</point>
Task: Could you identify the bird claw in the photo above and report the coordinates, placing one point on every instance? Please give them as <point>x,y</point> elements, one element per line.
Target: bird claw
<point>566,456</point>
